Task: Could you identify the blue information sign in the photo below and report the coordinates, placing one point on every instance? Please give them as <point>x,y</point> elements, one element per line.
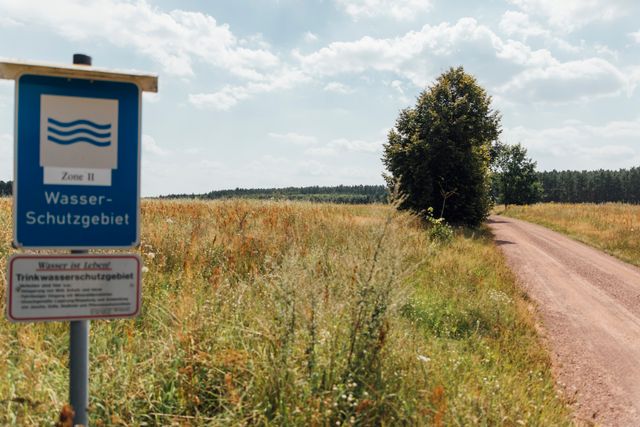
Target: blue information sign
<point>77,163</point>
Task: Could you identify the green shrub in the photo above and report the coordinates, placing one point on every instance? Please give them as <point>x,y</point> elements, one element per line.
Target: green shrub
<point>439,230</point>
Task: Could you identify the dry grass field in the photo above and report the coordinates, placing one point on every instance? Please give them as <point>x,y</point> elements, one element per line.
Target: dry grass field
<point>282,313</point>
<point>612,227</point>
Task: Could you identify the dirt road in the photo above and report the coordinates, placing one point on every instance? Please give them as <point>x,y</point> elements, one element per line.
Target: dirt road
<point>588,304</point>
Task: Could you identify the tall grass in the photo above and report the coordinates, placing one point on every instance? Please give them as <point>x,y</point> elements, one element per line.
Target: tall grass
<point>268,313</point>
<point>612,227</point>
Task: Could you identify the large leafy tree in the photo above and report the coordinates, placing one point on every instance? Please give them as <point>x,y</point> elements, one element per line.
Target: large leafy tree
<point>438,154</point>
<point>515,181</point>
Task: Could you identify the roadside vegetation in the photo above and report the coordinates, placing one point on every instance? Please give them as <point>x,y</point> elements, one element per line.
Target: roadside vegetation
<point>611,227</point>
<point>282,313</point>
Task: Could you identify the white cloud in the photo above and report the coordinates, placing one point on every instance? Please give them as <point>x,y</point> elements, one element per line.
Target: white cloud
<point>603,50</point>
<point>607,152</point>
<point>273,169</point>
<point>293,138</point>
<point>359,174</point>
<point>231,95</point>
<point>150,146</point>
<point>397,84</point>
<point>309,37</point>
<point>578,145</point>
<point>223,100</point>
<point>416,54</point>
<point>518,23</point>
<point>569,15</point>
<point>634,77</point>
<point>342,145</point>
<point>399,87</point>
<point>574,132</point>
<point>5,102</point>
<point>281,172</point>
<point>635,36</point>
<point>401,10</point>
<point>209,165</point>
<point>312,168</point>
<point>150,97</point>
<point>173,39</point>
<point>256,40</point>
<point>519,53</point>
<point>566,82</point>
<point>357,145</point>
<point>7,22</point>
<point>321,151</point>
<point>617,129</point>
<point>338,87</point>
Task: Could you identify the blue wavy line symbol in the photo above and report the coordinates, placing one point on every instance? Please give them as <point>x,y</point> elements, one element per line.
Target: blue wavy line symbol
<point>73,132</point>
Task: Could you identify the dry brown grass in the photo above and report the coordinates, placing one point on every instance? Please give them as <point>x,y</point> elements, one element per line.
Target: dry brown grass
<point>612,227</point>
<point>276,313</point>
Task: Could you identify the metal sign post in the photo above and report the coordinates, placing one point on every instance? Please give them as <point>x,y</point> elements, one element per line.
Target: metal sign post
<point>79,370</point>
<point>76,187</point>
<point>79,340</point>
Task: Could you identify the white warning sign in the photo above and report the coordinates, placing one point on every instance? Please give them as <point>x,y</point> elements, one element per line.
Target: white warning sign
<point>73,287</point>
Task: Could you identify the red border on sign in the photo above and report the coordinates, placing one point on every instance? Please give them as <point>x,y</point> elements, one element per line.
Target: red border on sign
<point>44,319</point>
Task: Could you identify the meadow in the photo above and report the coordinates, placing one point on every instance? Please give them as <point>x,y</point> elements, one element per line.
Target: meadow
<point>293,313</point>
<point>611,227</point>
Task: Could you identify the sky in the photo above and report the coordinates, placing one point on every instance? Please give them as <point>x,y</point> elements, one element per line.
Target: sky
<point>275,93</point>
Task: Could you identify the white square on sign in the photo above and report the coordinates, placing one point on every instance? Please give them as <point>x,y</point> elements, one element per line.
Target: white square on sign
<point>78,133</point>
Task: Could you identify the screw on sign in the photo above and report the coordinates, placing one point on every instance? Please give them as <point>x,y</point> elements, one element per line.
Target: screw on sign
<point>76,187</point>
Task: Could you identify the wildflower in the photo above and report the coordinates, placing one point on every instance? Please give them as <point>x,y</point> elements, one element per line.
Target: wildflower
<point>424,359</point>
<point>151,255</point>
<point>169,221</point>
<point>145,269</point>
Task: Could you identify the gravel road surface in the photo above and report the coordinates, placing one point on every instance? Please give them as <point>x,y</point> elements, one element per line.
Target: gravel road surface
<point>588,306</point>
